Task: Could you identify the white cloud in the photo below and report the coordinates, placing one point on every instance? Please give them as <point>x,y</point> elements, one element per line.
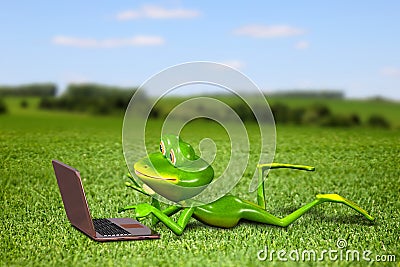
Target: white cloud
<point>301,45</point>
<point>76,78</point>
<point>236,64</point>
<point>391,72</point>
<point>157,12</point>
<point>269,31</point>
<point>140,40</point>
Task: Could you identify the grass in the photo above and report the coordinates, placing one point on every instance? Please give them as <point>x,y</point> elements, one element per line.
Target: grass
<point>360,164</point>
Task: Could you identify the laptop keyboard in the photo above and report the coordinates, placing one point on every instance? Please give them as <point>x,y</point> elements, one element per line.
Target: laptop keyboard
<point>107,228</point>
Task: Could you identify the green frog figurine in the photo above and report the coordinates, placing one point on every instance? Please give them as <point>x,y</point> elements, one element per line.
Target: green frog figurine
<point>178,174</point>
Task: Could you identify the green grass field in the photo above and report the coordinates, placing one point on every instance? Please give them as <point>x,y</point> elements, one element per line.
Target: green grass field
<point>361,164</point>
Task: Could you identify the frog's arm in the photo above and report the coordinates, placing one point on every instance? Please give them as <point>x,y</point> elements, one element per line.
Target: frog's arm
<point>145,209</point>
<point>262,167</point>
<point>171,210</point>
<point>155,203</point>
<point>134,185</point>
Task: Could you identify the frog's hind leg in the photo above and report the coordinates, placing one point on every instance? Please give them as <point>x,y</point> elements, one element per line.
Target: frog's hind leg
<point>259,215</point>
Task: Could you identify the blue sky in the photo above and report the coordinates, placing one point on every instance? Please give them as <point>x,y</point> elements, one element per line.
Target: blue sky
<point>352,46</point>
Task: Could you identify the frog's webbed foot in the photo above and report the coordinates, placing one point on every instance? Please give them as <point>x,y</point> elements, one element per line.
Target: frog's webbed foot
<point>340,199</point>
<point>141,210</point>
<point>321,198</point>
<point>130,207</point>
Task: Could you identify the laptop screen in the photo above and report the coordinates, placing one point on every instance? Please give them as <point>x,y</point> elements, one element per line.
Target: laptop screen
<point>73,196</point>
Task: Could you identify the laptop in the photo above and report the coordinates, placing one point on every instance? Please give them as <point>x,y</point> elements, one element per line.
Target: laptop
<point>77,209</point>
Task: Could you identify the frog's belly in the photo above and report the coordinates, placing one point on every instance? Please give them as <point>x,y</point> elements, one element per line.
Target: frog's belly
<point>226,212</point>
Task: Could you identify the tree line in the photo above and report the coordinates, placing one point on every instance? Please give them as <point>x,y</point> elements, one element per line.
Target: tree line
<point>329,94</point>
<point>313,115</point>
<point>92,98</point>
<point>104,100</point>
<point>28,90</point>
<point>321,115</point>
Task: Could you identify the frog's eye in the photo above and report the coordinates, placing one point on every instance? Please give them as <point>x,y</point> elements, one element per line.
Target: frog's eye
<point>162,148</point>
<point>172,157</point>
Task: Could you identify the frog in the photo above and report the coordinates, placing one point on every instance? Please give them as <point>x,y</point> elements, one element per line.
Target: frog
<point>176,173</point>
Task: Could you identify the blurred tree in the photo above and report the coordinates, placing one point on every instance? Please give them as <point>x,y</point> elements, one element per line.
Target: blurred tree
<point>281,112</point>
<point>378,121</point>
<point>3,107</point>
<point>24,104</point>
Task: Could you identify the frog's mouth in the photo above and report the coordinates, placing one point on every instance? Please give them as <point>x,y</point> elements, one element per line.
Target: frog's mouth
<point>140,174</point>
<point>166,180</point>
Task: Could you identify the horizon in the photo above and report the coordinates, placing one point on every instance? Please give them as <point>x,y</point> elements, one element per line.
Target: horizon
<point>300,92</point>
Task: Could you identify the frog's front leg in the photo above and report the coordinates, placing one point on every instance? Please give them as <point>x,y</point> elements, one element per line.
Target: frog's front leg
<point>145,209</point>
<point>155,203</point>
<point>171,210</point>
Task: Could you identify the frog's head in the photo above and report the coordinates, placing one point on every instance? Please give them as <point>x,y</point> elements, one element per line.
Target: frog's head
<point>175,172</point>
